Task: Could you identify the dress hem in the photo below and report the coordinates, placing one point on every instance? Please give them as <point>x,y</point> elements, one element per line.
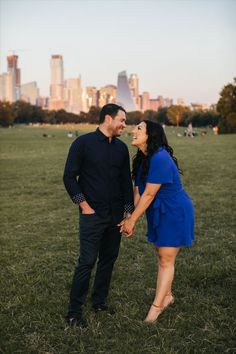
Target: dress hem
<point>168,245</point>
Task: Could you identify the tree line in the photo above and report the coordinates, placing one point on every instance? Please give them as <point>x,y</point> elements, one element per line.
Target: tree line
<point>21,112</point>
<point>223,115</point>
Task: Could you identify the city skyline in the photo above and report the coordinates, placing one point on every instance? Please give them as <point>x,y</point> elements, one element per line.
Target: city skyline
<point>177,48</point>
<point>69,94</point>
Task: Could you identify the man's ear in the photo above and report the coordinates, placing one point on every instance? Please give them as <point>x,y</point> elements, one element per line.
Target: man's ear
<point>108,119</point>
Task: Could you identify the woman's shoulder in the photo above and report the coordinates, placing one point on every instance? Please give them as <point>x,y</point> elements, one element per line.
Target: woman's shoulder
<point>160,154</point>
<point>161,158</point>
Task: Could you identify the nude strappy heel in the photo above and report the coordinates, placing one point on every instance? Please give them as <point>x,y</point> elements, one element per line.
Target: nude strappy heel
<point>171,301</point>
<point>160,308</point>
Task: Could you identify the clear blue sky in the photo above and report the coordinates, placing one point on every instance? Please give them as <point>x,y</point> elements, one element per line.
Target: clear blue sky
<point>178,48</point>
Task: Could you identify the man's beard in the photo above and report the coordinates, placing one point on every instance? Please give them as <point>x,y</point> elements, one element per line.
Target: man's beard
<point>118,132</point>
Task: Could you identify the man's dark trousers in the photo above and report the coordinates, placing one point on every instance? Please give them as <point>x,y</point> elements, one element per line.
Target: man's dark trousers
<point>99,238</point>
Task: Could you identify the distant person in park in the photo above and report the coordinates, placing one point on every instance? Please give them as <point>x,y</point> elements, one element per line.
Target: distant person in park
<point>169,210</point>
<point>97,177</point>
<point>189,131</point>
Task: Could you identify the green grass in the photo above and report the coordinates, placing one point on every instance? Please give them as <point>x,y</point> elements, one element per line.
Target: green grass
<point>39,248</point>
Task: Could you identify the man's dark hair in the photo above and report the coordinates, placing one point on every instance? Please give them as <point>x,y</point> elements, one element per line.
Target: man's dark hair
<point>111,109</point>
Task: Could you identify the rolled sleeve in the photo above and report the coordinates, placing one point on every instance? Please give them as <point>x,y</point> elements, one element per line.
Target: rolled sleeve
<point>78,198</point>
<point>127,184</point>
<point>129,208</point>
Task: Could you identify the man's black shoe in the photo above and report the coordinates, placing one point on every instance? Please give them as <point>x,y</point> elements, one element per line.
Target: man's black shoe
<point>76,321</point>
<point>103,307</point>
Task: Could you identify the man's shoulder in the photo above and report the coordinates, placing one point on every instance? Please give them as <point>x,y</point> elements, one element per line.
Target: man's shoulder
<point>89,135</point>
<point>120,143</point>
<point>85,137</point>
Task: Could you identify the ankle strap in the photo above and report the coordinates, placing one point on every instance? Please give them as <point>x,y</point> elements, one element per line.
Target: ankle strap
<point>158,307</point>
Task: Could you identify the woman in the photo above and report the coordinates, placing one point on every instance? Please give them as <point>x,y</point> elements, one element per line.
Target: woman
<point>169,210</point>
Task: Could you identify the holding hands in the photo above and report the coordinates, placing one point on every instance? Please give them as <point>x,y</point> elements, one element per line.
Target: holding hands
<point>127,226</point>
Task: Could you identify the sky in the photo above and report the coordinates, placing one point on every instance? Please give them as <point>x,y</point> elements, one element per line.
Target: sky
<point>178,48</point>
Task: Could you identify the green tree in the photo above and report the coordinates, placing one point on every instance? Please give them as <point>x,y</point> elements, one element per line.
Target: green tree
<point>226,107</point>
<point>231,121</point>
<point>202,119</point>
<point>150,115</point>
<point>176,114</point>
<point>7,116</point>
<point>162,116</point>
<point>93,114</point>
<point>134,117</point>
<point>49,117</point>
<point>37,114</point>
<point>61,116</point>
<point>83,117</point>
<point>23,112</point>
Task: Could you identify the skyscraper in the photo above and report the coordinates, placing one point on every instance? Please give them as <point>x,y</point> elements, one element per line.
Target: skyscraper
<point>161,101</point>
<point>134,88</point>
<point>57,83</point>
<point>13,68</point>
<point>145,101</point>
<point>107,94</point>
<point>168,102</point>
<point>73,95</point>
<point>180,102</point>
<point>89,98</point>
<point>123,94</point>
<point>153,104</point>
<point>30,92</point>
<point>7,90</point>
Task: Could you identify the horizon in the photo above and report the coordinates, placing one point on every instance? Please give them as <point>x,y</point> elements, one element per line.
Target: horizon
<point>200,34</point>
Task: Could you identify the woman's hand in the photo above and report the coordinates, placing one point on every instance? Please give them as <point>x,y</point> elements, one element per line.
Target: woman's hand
<point>127,226</point>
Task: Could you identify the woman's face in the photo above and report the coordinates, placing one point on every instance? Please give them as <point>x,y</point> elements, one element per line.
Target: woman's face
<point>140,136</point>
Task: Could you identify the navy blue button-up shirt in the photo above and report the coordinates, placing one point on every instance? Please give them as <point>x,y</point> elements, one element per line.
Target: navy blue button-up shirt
<point>98,171</point>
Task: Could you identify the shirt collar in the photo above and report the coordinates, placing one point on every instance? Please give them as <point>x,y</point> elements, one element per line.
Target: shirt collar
<point>103,137</point>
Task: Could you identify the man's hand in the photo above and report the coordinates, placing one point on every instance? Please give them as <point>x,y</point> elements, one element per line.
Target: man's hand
<point>86,208</point>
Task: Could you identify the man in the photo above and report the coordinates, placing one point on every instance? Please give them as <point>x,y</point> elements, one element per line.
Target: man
<point>97,177</point>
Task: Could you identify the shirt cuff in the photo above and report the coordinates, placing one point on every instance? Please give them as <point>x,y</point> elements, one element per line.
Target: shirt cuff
<point>129,208</point>
<point>78,198</point>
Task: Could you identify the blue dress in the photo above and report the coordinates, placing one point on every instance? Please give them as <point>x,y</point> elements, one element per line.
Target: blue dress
<point>170,217</point>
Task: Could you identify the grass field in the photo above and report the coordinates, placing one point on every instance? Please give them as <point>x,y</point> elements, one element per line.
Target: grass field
<point>39,246</point>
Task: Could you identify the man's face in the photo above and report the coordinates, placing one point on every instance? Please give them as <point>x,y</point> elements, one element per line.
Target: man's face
<point>118,123</point>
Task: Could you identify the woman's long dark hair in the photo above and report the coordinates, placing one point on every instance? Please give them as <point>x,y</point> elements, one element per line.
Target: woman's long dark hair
<point>156,139</point>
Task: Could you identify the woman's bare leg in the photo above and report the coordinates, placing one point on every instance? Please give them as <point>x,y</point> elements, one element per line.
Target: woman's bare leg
<point>166,269</point>
<point>169,298</point>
